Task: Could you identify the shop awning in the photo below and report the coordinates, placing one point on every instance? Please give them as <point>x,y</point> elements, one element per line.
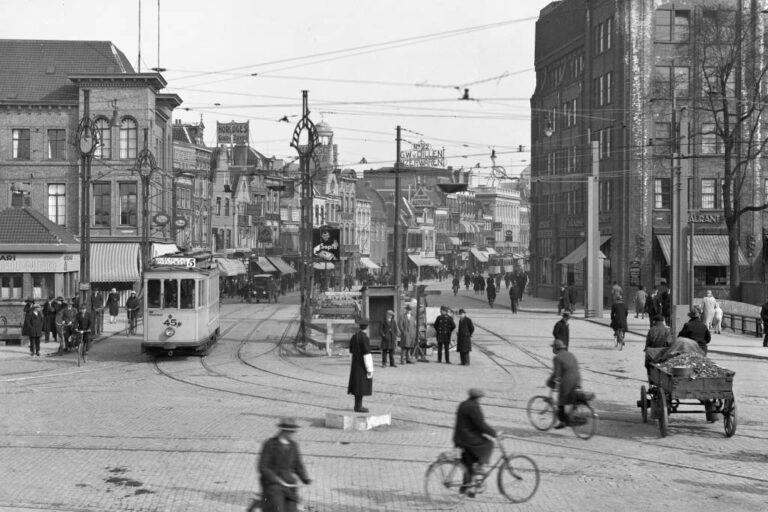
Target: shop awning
<point>491,251</point>
<point>229,267</point>
<point>367,263</point>
<point>468,227</point>
<point>116,262</point>
<point>454,240</point>
<point>265,265</point>
<point>163,249</point>
<point>323,266</point>
<point>579,253</point>
<point>424,261</point>
<point>280,264</point>
<point>708,250</point>
<point>481,256</point>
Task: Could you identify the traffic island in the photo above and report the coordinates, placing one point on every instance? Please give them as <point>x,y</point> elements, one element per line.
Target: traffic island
<point>356,421</point>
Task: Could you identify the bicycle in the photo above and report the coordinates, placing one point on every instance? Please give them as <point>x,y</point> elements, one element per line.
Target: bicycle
<point>455,290</point>
<point>445,482</point>
<point>256,500</point>
<point>77,340</point>
<point>542,413</point>
<point>619,337</point>
<point>132,320</point>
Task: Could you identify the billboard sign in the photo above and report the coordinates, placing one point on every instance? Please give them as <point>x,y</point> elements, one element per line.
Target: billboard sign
<point>421,154</point>
<point>325,243</point>
<point>232,133</point>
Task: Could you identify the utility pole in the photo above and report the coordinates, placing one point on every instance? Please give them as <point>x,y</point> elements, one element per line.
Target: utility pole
<point>87,141</point>
<point>594,299</point>
<point>396,260</point>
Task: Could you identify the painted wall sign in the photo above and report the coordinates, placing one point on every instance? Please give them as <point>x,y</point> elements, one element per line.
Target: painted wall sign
<point>39,263</point>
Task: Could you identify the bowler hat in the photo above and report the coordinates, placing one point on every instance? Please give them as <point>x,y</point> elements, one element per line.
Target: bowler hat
<point>363,323</point>
<point>567,313</point>
<point>288,424</point>
<point>475,393</point>
<point>558,344</point>
<point>694,313</point>
<point>443,308</point>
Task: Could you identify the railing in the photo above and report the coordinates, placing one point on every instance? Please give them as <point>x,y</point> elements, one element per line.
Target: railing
<point>744,322</point>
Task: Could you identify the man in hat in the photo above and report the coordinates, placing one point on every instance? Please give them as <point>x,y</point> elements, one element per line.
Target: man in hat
<point>474,436</point>
<point>464,337</point>
<point>66,321</point>
<point>132,310</point>
<point>444,327</point>
<point>388,333</point>
<point>279,464</point>
<point>83,322</point>
<point>696,330</point>
<point>562,331</point>
<point>566,376</point>
<point>34,328</point>
<point>407,326</point>
<point>361,369</point>
<point>657,339</point>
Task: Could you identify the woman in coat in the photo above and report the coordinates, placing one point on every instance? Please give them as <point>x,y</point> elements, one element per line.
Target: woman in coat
<point>388,333</point>
<point>640,298</point>
<point>464,337</point>
<point>113,303</point>
<point>361,369</point>
<point>708,305</point>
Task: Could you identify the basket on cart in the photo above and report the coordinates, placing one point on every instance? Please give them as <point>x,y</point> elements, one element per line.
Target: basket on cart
<point>669,388</point>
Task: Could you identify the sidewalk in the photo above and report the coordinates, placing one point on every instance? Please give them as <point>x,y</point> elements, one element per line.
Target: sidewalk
<point>727,343</point>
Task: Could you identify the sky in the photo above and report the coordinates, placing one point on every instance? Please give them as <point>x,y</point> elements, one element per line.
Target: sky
<point>369,66</point>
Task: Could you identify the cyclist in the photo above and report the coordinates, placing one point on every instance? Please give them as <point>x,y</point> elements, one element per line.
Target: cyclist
<point>471,435</point>
<point>132,308</point>
<point>566,376</point>
<point>619,319</point>
<point>83,322</point>
<point>279,464</point>
<point>455,284</point>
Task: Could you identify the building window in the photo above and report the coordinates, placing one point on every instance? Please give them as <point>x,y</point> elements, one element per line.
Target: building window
<point>711,143</point>
<point>104,149</point>
<point>226,207</point>
<point>129,134</point>
<point>20,144</point>
<point>672,25</point>
<point>573,112</point>
<point>57,204</point>
<point>57,146</point>
<point>20,194</point>
<point>606,196</point>
<point>218,206</point>
<point>102,204</point>
<point>661,193</point>
<point>711,276</point>
<point>666,79</point>
<point>10,286</point>
<point>128,204</point>
<point>708,194</point>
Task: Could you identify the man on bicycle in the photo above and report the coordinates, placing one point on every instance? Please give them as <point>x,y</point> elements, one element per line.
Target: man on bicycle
<point>619,317</point>
<point>472,434</point>
<point>279,465</point>
<point>132,308</point>
<point>83,322</point>
<point>566,376</point>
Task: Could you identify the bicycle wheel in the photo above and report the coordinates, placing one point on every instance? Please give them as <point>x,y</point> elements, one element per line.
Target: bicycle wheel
<point>443,482</point>
<point>518,478</point>
<point>620,338</point>
<point>541,412</point>
<point>583,421</point>
<point>81,352</point>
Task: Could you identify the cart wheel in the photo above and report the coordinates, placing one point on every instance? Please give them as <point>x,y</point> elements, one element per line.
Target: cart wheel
<point>644,403</point>
<point>729,416</point>
<point>663,413</point>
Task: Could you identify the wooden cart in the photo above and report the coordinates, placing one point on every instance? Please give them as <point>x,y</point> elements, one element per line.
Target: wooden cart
<point>667,393</point>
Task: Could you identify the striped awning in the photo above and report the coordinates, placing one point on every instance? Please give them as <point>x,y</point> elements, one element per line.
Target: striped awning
<point>578,254</point>
<point>424,261</point>
<point>324,265</point>
<point>229,267</point>
<point>708,250</point>
<point>265,265</point>
<point>468,227</point>
<point>115,262</point>
<point>281,265</point>
<point>481,256</point>
<point>367,263</point>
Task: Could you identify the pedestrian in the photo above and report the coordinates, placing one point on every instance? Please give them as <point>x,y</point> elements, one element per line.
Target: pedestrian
<point>388,333</point>
<point>571,290</point>
<point>83,322</point>
<point>708,305</point>
<point>657,339</point>
<point>68,315</point>
<point>617,292</point>
<point>619,315</point>
<point>491,292</point>
<point>561,331</point>
<point>28,305</point>
<point>113,304</point>
<point>522,282</point>
<point>444,327</point>
<point>34,328</point>
<point>464,337</point>
<point>132,311</point>
<point>473,436</point>
<point>513,297</point>
<point>764,318</point>
<point>498,281</point>
<point>49,318</point>
<point>467,280</point>
<point>564,302</point>
<point>407,327</point>
<point>665,299</point>
<point>653,305</point>
<point>566,377</point>
<point>361,369</point>
<point>640,297</point>
<point>696,330</point>
<point>279,465</point>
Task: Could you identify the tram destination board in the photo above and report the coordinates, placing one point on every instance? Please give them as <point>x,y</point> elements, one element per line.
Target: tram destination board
<point>175,262</point>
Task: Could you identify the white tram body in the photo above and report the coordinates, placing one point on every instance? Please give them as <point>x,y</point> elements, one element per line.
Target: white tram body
<point>181,306</point>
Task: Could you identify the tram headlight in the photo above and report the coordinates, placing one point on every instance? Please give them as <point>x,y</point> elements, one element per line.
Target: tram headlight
<point>169,331</point>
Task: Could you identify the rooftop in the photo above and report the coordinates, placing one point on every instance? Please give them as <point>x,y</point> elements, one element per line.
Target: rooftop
<point>28,226</point>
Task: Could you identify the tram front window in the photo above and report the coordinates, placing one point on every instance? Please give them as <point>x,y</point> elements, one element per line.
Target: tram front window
<point>170,294</point>
<point>187,294</point>
<point>153,293</point>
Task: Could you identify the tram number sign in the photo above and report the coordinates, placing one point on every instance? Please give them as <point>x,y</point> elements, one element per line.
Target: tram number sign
<point>176,262</point>
<point>171,322</point>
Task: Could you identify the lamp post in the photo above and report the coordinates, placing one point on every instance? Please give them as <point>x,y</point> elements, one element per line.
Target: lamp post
<point>87,140</point>
<point>145,165</point>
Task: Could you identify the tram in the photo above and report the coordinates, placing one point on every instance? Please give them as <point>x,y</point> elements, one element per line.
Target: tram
<point>181,306</point>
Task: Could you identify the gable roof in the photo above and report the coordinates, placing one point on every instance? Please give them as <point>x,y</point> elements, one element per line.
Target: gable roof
<point>28,226</point>
<point>37,71</point>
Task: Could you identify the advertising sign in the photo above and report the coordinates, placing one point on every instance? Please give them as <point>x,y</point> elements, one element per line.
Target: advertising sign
<point>325,243</point>
<point>634,274</point>
<point>232,133</point>
<point>421,154</point>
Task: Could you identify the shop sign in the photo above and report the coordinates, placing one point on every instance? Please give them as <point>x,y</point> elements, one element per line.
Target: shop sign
<point>635,273</point>
<point>39,263</point>
<point>705,218</point>
<point>497,226</point>
<point>421,154</point>
<point>265,235</point>
<point>232,133</point>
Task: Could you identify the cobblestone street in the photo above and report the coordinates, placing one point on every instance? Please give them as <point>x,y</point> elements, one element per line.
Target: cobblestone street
<point>132,432</point>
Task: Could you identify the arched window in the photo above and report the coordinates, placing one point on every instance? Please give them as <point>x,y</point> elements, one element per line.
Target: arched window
<point>104,149</point>
<point>129,134</point>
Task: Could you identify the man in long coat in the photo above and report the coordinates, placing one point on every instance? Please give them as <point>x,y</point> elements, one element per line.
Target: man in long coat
<point>471,434</point>
<point>513,297</point>
<point>34,328</point>
<point>361,369</point>
<point>444,326</point>
<point>565,375</point>
<point>388,333</point>
<point>464,337</point>
<point>49,319</point>
<point>279,463</point>
<point>562,331</point>
<point>407,326</point>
